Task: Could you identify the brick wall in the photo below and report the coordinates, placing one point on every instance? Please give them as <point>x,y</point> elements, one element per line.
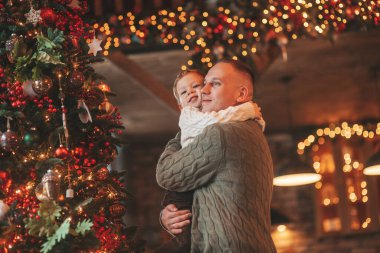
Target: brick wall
<point>144,204</point>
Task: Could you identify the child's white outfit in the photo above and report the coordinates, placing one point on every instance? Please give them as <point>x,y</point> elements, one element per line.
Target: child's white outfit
<point>192,121</point>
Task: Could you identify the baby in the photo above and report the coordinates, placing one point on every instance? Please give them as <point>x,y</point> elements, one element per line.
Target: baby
<point>187,90</point>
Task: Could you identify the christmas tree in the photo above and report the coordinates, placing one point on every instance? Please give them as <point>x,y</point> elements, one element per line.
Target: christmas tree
<point>58,135</point>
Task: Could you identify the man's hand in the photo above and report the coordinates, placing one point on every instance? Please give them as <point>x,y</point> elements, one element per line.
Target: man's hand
<point>174,220</point>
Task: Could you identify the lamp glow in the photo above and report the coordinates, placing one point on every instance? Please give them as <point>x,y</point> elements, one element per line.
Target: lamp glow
<point>281,228</point>
<point>296,179</point>
<point>372,167</point>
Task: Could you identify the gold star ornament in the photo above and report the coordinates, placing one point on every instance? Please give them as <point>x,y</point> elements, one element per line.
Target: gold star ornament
<point>95,46</point>
<point>33,16</point>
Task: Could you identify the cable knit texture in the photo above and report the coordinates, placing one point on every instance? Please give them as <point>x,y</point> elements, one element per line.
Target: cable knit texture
<point>230,168</point>
<point>192,121</point>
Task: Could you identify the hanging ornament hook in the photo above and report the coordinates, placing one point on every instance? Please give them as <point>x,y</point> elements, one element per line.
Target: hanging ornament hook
<point>9,118</point>
<point>64,119</point>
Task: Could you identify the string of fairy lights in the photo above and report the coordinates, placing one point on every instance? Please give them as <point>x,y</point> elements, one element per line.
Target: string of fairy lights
<point>356,187</point>
<point>344,130</point>
<point>214,34</point>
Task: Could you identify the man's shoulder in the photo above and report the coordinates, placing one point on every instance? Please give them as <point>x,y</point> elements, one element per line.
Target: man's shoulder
<point>228,129</point>
<point>247,124</point>
<point>240,129</point>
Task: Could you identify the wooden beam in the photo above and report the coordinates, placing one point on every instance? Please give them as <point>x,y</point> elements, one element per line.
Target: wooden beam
<point>147,80</point>
<point>98,8</point>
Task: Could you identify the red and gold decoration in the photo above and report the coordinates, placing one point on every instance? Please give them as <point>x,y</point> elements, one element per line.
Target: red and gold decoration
<point>41,87</point>
<point>76,80</point>
<point>237,29</point>
<point>61,152</point>
<point>53,156</point>
<point>117,210</point>
<point>102,174</point>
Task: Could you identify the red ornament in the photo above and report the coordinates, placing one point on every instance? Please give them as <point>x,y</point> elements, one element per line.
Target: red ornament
<point>61,152</point>
<point>102,174</point>
<point>117,210</point>
<point>48,15</point>
<point>75,41</point>
<point>3,175</point>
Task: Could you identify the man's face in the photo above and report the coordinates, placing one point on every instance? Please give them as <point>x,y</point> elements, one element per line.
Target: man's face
<point>221,87</point>
<point>189,89</point>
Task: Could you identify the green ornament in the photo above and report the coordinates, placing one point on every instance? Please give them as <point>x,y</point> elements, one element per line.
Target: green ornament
<point>31,138</point>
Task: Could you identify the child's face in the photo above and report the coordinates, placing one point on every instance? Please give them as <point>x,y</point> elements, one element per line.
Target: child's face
<point>189,90</point>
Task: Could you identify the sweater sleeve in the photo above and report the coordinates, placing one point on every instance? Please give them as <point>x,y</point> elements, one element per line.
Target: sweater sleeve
<point>172,146</point>
<point>193,166</point>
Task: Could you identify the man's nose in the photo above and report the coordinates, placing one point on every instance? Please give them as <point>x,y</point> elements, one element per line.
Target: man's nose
<point>206,89</point>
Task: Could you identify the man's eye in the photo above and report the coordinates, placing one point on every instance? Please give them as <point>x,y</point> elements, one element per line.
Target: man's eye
<point>196,85</point>
<point>182,92</point>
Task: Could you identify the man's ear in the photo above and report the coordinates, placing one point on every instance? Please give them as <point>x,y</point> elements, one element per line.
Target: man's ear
<point>243,94</point>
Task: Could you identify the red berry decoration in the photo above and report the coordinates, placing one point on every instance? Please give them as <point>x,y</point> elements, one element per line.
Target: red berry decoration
<point>61,152</point>
<point>79,152</point>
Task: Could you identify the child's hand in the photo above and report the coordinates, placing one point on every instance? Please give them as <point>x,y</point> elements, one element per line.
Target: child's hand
<point>199,101</point>
<point>257,110</point>
<point>175,220</point>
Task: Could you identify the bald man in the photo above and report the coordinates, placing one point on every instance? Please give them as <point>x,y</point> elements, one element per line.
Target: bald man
<point>228,166</point>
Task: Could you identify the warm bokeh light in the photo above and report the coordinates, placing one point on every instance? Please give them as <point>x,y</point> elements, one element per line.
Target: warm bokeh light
<point>296,179</point>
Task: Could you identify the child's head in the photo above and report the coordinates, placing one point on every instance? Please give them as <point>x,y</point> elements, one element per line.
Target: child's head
<point>187,88</point>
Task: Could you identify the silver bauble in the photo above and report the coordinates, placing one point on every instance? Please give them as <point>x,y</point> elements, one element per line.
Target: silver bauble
<point>9,140</point>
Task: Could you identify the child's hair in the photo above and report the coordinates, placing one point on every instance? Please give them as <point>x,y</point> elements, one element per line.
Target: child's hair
<point>179,77</point>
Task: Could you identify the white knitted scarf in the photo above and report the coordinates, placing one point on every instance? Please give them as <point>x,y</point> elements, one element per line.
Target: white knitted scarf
<point>192,121</point>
